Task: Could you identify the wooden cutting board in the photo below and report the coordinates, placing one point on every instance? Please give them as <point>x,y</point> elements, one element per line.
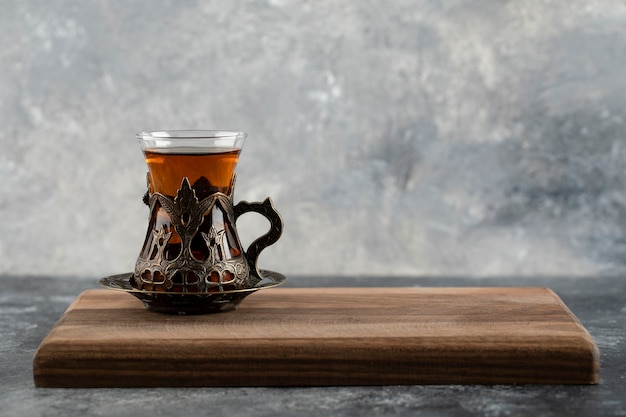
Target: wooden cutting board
<point>323,336</point>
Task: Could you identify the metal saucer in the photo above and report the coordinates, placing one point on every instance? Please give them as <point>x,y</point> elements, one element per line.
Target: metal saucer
<point>190,303</point>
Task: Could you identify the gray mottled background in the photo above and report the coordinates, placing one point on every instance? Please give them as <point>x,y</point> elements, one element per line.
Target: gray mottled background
<point>406,137</point>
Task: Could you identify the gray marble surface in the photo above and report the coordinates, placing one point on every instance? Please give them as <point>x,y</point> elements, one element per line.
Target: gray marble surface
<point>406,137</point>
<point>30,305</point>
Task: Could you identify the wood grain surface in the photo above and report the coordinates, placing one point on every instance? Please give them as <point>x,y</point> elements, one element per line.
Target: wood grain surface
<point>323,336</point>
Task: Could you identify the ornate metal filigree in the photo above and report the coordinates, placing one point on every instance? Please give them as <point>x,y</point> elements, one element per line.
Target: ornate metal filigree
<point>215,266</point>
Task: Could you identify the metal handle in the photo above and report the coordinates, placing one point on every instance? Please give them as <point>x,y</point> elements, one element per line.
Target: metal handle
<point>266,208</point>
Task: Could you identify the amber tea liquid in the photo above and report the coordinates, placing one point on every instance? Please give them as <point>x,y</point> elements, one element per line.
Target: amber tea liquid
<point>207,173</point>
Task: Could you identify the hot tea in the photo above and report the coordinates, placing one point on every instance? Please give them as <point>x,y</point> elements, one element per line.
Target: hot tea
<point>207,173</point>
<point>213,240</point>
<point>192,260</point>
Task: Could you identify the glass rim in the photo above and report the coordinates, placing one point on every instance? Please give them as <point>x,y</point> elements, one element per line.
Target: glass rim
<point>190,134</point>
